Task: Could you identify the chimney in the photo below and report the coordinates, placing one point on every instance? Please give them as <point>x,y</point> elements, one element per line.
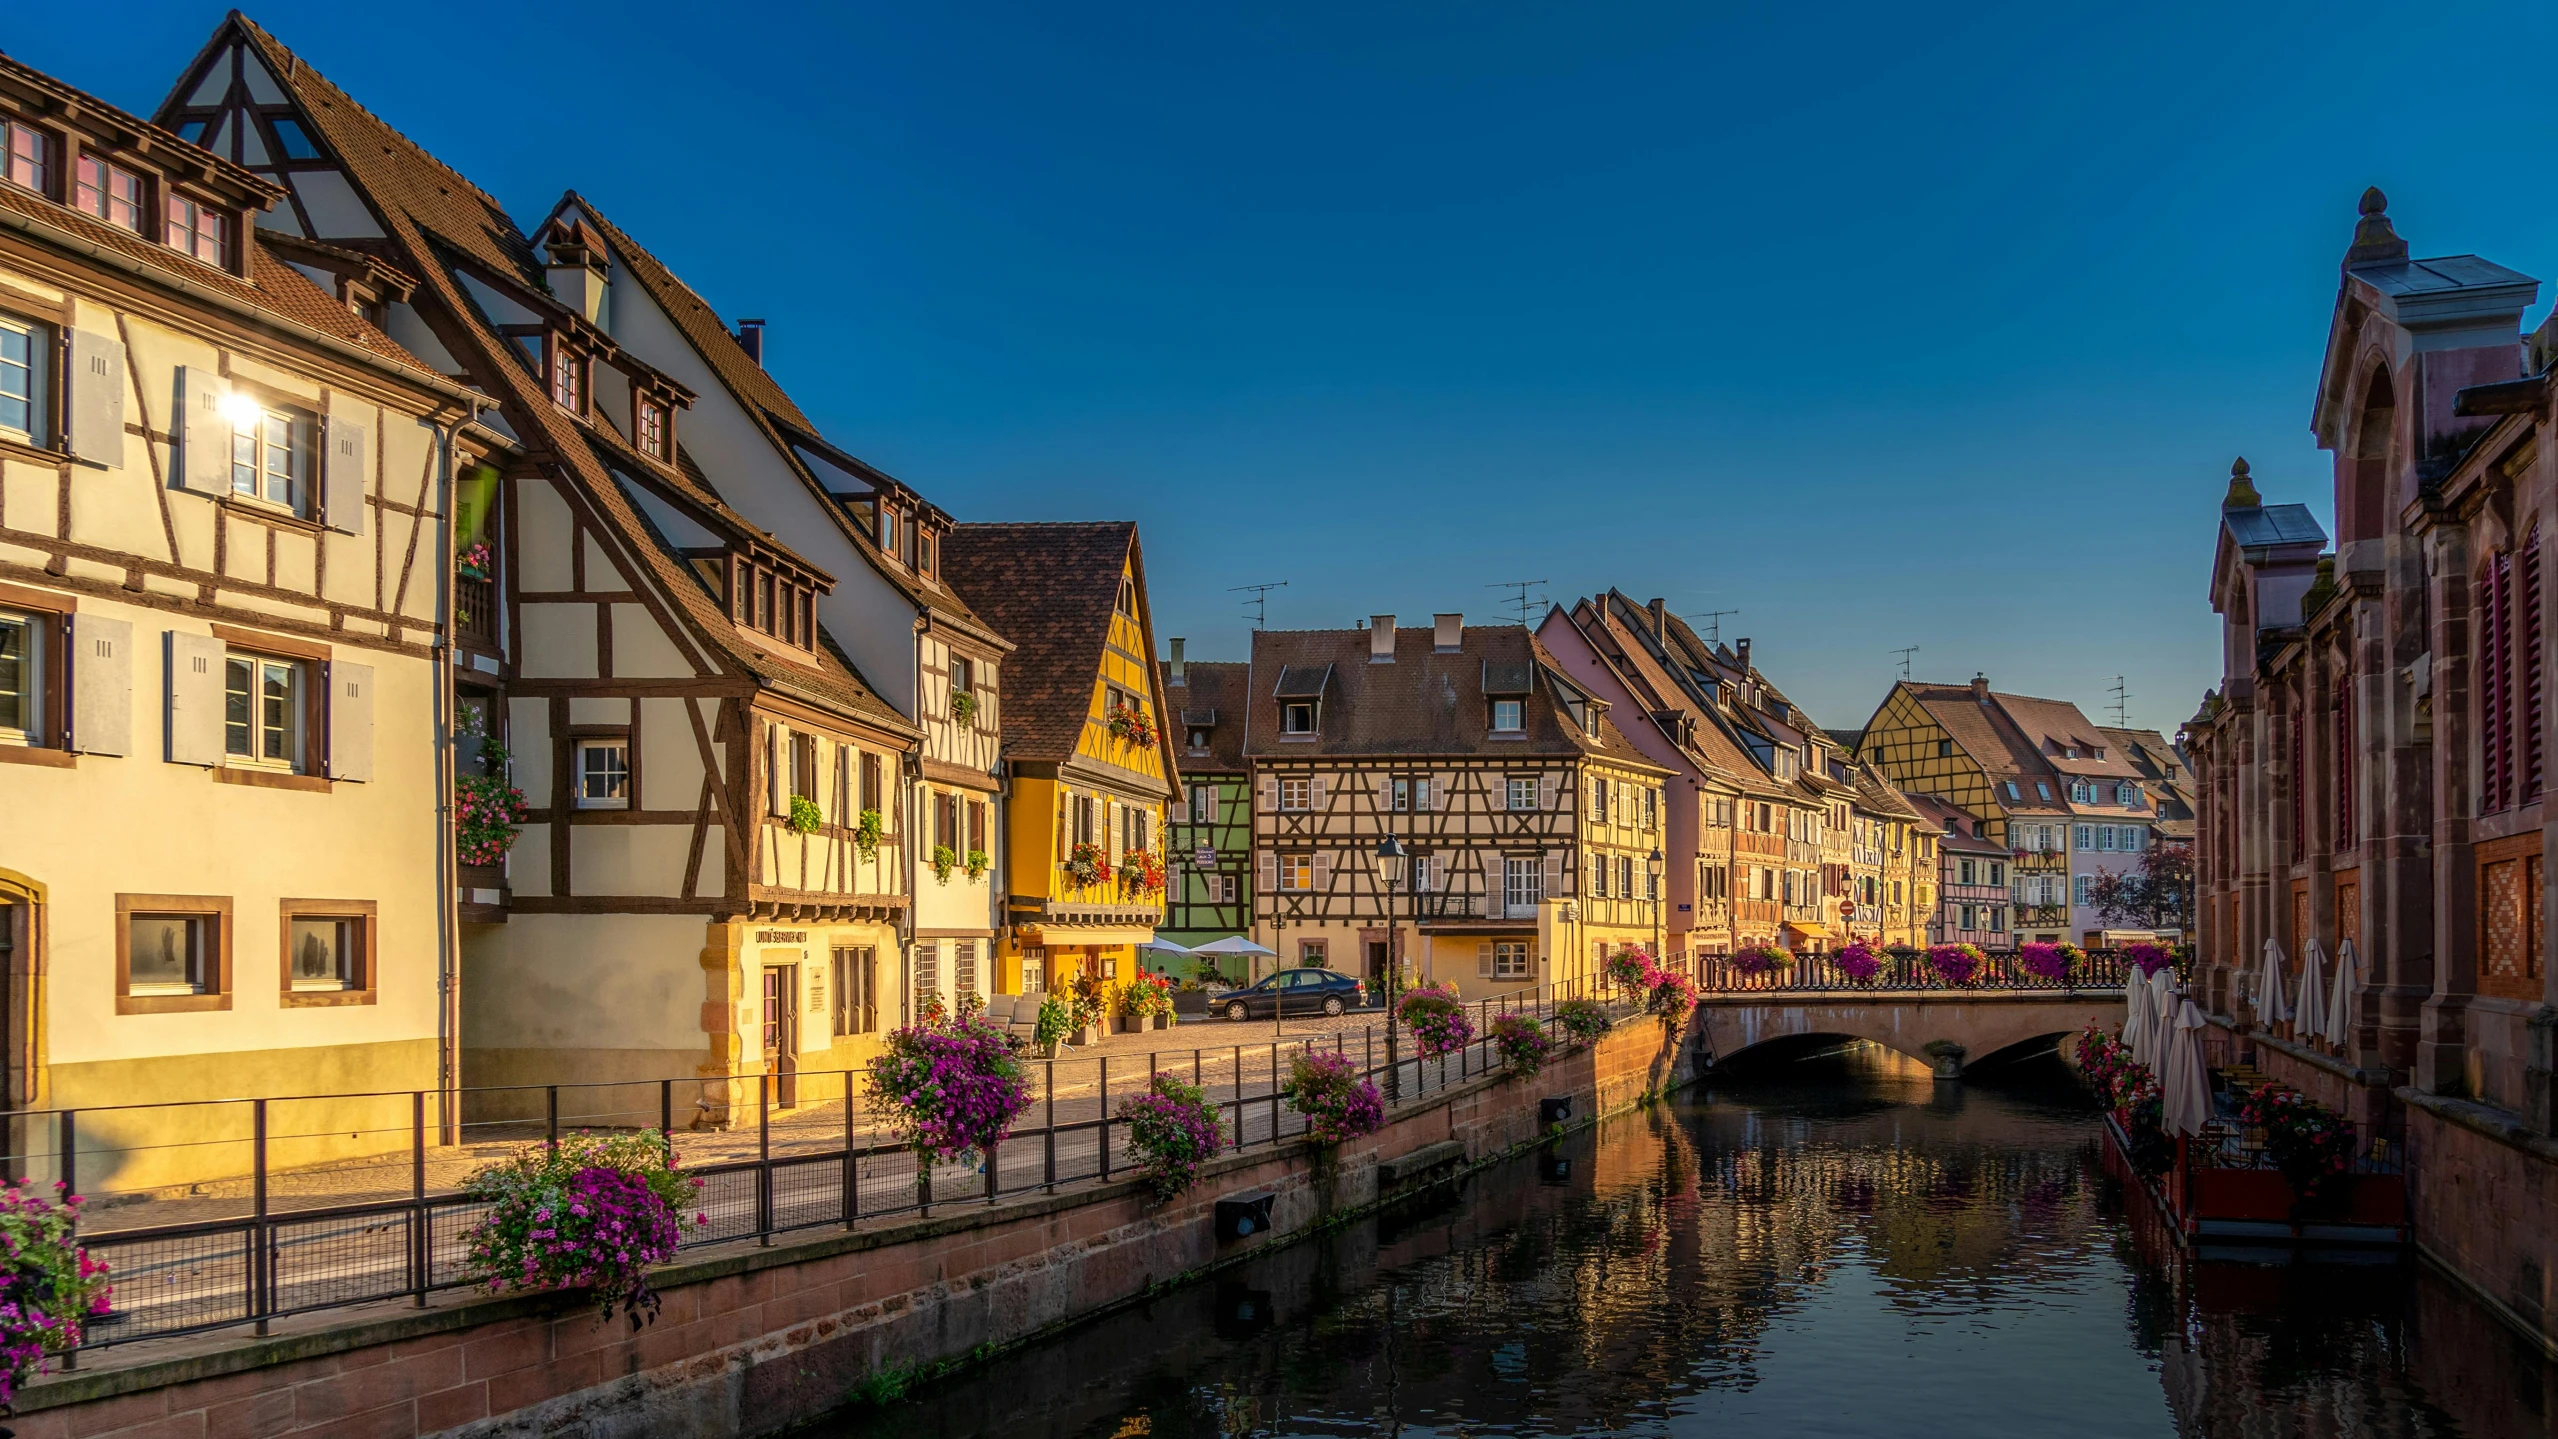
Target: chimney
<point>576,275</point>
<point>1660,623</point>
<point>1980,687</point>
<point>1381,639</point>
<point>1447,633</point>
<point>750,338</point>
<point>1741,655</point>
<point>1172,666</point>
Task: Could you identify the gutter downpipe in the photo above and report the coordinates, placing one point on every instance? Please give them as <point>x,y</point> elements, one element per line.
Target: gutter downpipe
<point>910,779</point>
<point>448,912</point>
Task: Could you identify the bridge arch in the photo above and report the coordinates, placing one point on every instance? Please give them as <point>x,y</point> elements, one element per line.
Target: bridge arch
<point>1983,1024</point>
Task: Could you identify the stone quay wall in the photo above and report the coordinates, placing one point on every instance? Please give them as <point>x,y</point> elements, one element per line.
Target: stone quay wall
<point>753,1339</point>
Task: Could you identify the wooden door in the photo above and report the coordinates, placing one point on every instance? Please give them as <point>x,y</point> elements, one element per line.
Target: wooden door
<point>781,1031</point>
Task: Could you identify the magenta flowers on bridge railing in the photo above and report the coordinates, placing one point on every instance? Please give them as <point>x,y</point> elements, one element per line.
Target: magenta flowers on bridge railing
<point>1629,969</point>
<point>592,1211</point>
<point>1338,1102</point>
<point>1860,963</point>
<point>2148,958</point>
<point>1956,963</point>
<point>2044,961</point>
<point>950,1089</point>
<point>1581,1020</point>
<point>1673,995</point>
<point>1761,959</point>
<point>1437,1020</point>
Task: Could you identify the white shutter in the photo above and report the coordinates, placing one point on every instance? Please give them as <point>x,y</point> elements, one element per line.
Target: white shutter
<point>1269,793</point>
<point>776,769</point>
<point>1385,793</point>
<point>101,685</point>
<point>97,399</point>
<point>1314,800</point>
<point>195,699</point>
<point>1266,870</point>
<point>204,433</point>
<point>1323,871</point>
<point>1439,786</point>
<point>351,721</point>
<point>346,476</point>
<point>1548,790</point>
<point>1483,959</point>
<point>1553,874</point>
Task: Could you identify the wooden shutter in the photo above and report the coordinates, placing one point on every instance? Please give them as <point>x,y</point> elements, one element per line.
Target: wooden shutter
<point>204,434</point>
<point>346,475</point>
<point>777,769</point>
<point>1385,793</point>
<point>351,722</point>
<point>1483,959</point>
<point>1549,790</point>
<point>1323,871</point>
<point>1266,870</point>
<point>102,685</point>
<point>97,399</point>
<point>1314,794</point>
<point>1554,874</point>
<point>1269,793</point>
<point>1439,786</point>
<point>195,699</point>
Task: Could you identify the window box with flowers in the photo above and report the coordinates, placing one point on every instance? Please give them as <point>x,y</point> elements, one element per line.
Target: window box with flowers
<point>868,832</point>
<point>963,707</point>
<point>488,811</point>
<point>945,859</point>
<point>1130,725</point>
<point>805,816</point>
<point>977,863</point>
<point>1087,864</point>
<point>1141,873</point>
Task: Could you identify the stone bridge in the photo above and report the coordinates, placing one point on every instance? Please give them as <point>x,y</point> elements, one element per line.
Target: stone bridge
<point>1983,1022</point>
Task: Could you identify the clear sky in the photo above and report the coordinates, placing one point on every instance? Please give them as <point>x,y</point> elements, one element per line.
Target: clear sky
<point>1886,325</point>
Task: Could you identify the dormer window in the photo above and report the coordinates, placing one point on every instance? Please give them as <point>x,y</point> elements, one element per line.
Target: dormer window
<point>26,157</point>
<point>2013,795</point>
<point>2128,795</point>
<point>648,426</point>
<point>568,376</point>
<point>761,596</point>
<point>1509,716</point>
<point>923,552</point>
<point>110,192</point>
<point>1295,717</point>
<point>2043,790</point>
<point>888,532</point>
<point>198,229</point>
<point>1198,739</point>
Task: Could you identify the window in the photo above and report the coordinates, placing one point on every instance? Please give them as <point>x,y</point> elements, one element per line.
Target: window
<point>2011,790</point>
<point>262,711</point>
<point>1297,717</point>
<point>1599,800</point>
<point>1599,877</point>
<point>270,454</point>
<point>1198,740</point>
<point>1521,792</point>
<point>290,138</point>
<point>2081,792</point>
<point>888,532</point>
<point>21,678</point>
<point>1522,882</point>
<point>26,157</point>
<point>1970,916</point>
<point>568,378</point>
<point>1998,918</point>
<point>200,230</point>
<point>1945,749</point>
<point>22,350</point>
<point>1625,875</point>
<point>651,427</point>
<point>927,968</point>
<point>328,953</point>
<point>1127,595</point>
<point>2086,837</point>
<point>2127,794</point>
<point>803,765</point>
<point>1508,716</point>
<point>1296,794</point>
<point>1651,809</point>
<point>1312,954</point>
<point>2127,838</point>
<point>856,1006</point>
<point>870,798</point>
<point>1134,826</point>
<point>923,551</point>
<point>110,192</point>
<point>1962,871</point>
<point>1510,959</point>
<point>603,775</point>
<point>1998,872</point>
<point>2080,885</point>
<point>1296,872</point>
<point>172,953</point>
<point>1203,804</point>
<point>964,965</point>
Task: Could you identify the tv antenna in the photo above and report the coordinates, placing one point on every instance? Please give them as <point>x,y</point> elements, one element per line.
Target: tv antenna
<point>1521,602</point>
<point>1260,601</point>
<point>2122,704</point>
<point>1905,654</point>
<point>1713,624</point>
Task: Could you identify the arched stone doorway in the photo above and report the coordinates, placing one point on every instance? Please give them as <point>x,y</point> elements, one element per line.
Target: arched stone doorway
<point>22,954</point>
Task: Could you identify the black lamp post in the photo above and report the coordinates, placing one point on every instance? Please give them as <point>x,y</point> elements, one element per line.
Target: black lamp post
<point>1652,865</point>
<point>1392,861</point>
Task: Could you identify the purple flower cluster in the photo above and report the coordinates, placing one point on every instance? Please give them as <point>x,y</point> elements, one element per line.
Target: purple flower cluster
<point>1761,959</point>
<point>950,1089</point>
<point>2149,958</point>
<point>1522,1042</point>
<point>2044,961</point>
<point>1173,1128</point>
<point>596,1211</point>
<point>1582,1019</point>
<point>1956,963</point>
<point>1337,1101</point>
<point>1437,1020</point>
<point>48,1284</point>
<point>1860,963</point>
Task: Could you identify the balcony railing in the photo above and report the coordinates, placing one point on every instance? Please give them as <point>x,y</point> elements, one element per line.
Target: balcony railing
<point>475,611</point>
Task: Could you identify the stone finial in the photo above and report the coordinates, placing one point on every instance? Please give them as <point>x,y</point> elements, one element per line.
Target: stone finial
<point>2374,240</point>
<point>2242,490</point>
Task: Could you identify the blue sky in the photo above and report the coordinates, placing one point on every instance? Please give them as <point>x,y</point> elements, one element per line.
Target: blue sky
<point>1884,327</point>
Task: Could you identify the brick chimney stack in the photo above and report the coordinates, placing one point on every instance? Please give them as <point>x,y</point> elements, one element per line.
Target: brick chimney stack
<point>1980,687</point>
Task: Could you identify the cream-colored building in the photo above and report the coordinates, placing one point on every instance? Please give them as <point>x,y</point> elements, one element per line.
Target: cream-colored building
<point>223,857</point>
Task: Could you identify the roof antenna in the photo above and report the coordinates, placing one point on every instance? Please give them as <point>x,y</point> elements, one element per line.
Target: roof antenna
<point>1713,624</point>
<point>1258,607</point>
<point>1521,602</point>
<point>1905,659</point>
<point>2122,704</point>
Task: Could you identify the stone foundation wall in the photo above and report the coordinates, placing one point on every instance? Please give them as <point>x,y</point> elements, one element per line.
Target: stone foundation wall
<point>752,1339</point>
<point>2484,1195</point>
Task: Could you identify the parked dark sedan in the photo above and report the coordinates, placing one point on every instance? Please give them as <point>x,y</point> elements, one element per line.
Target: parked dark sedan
<point>1295,991</point>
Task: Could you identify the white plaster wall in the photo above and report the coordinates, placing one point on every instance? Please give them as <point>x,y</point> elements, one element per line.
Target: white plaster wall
<point>601,981</point>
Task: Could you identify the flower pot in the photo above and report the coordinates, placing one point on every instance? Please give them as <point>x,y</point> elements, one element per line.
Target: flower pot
<point>1089,1034</point>
<point>1049,1049</point>
<point>1131,1024</point>
<point>1159,1021</point>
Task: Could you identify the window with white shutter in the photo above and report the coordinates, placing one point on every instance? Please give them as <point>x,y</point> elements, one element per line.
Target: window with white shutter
<point>1549,791</point>
<point>1315,783</point>
<point>1323,870</point>
<point>1266,870</point>
<point>1269,793</point>
<point>1483,959</point>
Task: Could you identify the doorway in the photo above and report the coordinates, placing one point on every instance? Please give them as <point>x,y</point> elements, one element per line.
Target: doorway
<point>1380,958</point>
<point>781,1032</point>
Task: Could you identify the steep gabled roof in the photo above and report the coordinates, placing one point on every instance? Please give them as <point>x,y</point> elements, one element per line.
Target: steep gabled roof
<point>1986,734</point>
<point>1051,590</point>
<point>1646,669</point>
<point>1213,693</point>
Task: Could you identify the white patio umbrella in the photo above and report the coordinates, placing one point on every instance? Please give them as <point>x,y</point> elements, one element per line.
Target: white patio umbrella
<point>1167,946</point>
<point>2340,999</point>
<point>2136,1018</point>
<point>2313,990</point>
<point>2160,1022</point>
<point>2271,1009</point>
<point>1234,944</point>
<point>2185,1090</point>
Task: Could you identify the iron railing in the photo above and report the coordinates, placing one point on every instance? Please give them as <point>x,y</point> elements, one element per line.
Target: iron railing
<point>1907,972</point>
<point>275,1235</point>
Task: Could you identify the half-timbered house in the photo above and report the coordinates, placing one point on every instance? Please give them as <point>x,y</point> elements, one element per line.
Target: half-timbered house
<point>1086,755</point>
<point>222,527</point>
<point>1961,744</point>
<point>688,732</point>
<point>1502,777</point>
<point>1210,894</point>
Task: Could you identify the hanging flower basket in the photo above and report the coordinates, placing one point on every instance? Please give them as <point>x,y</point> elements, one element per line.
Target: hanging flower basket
<point>1957,964</point>
<point>943,861</point>
<point>1582,1020</point>
<point>1437,1020</point>
<point>1172,1129</point>
<point>1629,969</point>
<point>1338,1102</point>
<point>1522,1043</point>
<point>868,832</point>
<point>1086,864</point>
<point>1141,873</point>
<point>1860,964</point>
<point>949,1089</point>
<point>977,864</point>
<point>488,812</point>
<point>593,1211</point>
<point>1673,995</point>
<point>49,1286</point>
<point>1761,959</point>
<point>963,707</point>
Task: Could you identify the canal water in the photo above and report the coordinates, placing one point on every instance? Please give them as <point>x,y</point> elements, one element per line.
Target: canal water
<point>1830,1245</point>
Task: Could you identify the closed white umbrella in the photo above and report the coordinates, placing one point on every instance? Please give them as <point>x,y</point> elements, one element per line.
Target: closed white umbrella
<point>2340,1000</point>
<point>2271,1009</point>
<point>2159,1025</point>
<point>2136,1018</point>
<point>2313,990</point>
<point>2185,1089</point>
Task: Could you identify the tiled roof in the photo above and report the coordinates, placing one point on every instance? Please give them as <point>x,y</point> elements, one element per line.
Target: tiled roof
<point>2054,727</point>
<point>432,215</point>
<point>2273,526</point>
<point>1050,589</point>
<point>1714,745</point>
<point>1213,693</point>
<point>1958,825</point>
<point>1992,740</point>
<point>1426,702</point>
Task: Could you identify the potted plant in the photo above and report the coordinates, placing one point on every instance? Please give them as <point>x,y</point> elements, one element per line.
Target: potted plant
<point>1522,1043</point>
<point>949,1091</point>
<point>1172,1129</point>
<point>1086,1010</point>
<point>963,706</point>
<point>944,860</point>
<point>805,816</point>
<point>1086,864</point>
<point>1146,1001</point>
<point>488,812</point>
<point>51,1285</point>
<point>592,1211</point>
<point>1437,1019</point>
<point>977,864</point>
<point>1055,1018</point>
<point>1338,1102</point>
<point>868,832</point>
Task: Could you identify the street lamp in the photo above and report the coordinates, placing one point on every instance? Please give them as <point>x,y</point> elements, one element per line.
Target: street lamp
<point>1392,860</point>
<point>1652,866</point>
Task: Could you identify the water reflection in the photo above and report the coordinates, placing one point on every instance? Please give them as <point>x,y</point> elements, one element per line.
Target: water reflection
<point>1830,1246</point>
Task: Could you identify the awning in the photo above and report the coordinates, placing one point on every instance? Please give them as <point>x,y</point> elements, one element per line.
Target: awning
<point>1808,931</point>
<point>1068,936</point>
